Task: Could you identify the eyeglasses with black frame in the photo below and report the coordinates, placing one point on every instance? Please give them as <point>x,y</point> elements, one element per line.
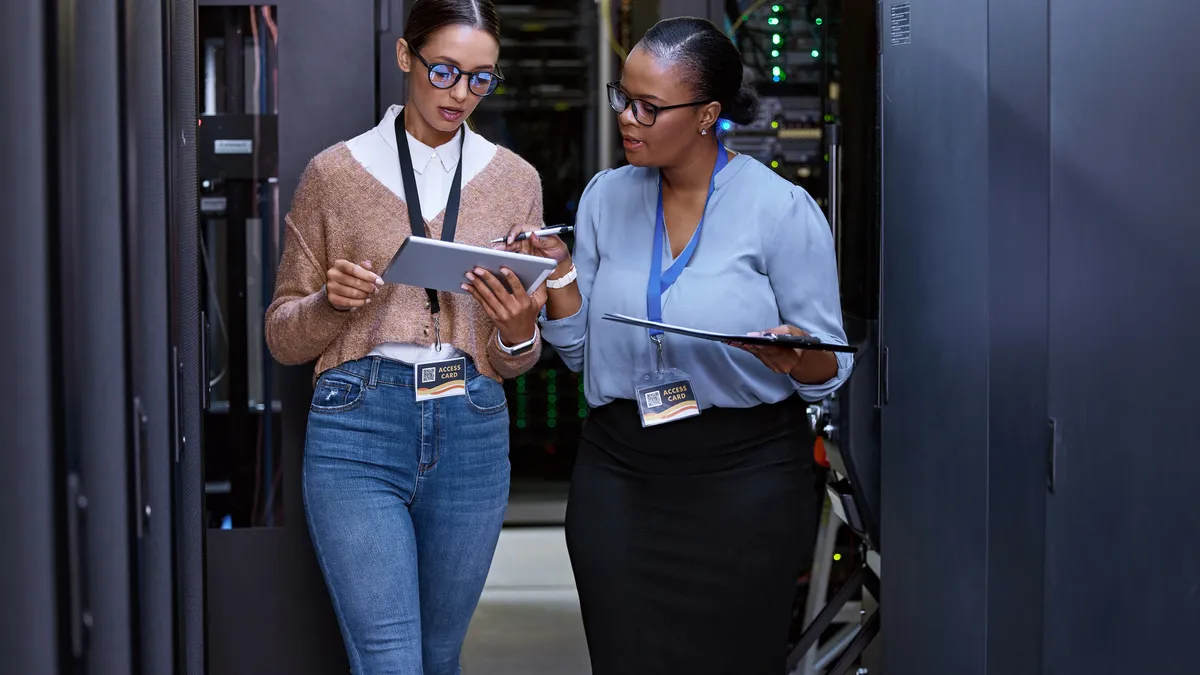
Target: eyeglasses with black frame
<point>643,111</point>
<point>445,75</point>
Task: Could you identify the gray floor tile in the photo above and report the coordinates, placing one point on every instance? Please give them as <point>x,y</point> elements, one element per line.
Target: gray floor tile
<point>528,618</point>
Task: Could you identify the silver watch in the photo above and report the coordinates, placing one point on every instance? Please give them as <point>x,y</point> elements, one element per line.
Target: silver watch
<point>524,347</point>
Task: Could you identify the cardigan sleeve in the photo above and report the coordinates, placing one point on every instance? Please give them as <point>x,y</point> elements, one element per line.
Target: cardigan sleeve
<point>300,322</point>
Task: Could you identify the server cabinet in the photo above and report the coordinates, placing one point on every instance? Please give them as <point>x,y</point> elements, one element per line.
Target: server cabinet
<point>185,324</point>
<point>389,79</point>
<point>277,84</point>
<point>1018,214</point>
<point>1121,529</point>
<point>1036,195</point>
<point>29,473</point>
<point>88,298</point>
<point>143,64</point>
<point>934,335</point>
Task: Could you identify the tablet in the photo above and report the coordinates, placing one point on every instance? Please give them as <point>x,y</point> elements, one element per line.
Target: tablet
<point>770,339</point>
<point>443,265</point>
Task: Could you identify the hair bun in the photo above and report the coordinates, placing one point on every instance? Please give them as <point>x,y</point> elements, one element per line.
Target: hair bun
<point>742,108</point>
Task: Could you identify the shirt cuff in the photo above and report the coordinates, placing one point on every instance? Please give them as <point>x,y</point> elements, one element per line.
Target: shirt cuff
<point>816,392</point>
<point>568,330</point>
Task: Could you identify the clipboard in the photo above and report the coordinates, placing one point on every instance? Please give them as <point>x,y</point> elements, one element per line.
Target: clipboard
<point>793,341</point>
<point>443,265</point>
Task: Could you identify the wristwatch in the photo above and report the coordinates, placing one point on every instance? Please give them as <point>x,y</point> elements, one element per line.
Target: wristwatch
<point>522,348</point>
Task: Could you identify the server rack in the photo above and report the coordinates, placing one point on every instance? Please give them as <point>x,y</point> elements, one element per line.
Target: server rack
<point>31,479</point>
<point>277,80</point>
<point>790,51</point>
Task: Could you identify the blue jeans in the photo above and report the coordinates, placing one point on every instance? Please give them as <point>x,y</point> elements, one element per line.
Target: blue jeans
<point>404,501</point>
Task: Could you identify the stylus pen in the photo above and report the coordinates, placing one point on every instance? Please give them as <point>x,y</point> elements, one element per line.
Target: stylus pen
<point>548,232</point>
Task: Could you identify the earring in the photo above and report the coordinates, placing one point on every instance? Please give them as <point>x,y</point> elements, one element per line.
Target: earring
<point>704,132</point>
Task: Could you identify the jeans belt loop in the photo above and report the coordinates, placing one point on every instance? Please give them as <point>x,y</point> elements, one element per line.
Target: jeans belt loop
<point>374,380</point>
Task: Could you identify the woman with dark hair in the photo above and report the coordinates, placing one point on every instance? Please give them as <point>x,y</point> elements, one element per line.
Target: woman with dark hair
<point>692,511</point>
<point>406,480</point>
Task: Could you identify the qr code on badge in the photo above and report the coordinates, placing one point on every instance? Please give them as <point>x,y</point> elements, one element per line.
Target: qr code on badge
<point>653,399</point>
<point>428,375</point>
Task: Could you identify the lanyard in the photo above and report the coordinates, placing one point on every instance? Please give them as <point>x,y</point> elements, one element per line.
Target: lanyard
<point>413,201</point>
<point>660,281</point>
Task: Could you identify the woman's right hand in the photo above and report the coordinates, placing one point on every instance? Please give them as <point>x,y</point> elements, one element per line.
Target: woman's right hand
<point>547,247</point>
<point>349,286</point>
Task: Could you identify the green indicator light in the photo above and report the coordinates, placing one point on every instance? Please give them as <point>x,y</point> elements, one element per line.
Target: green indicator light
<point>551,423</point>
<point>775,8</point>
<point>775,53</point>
<point>552,374</point>
<point>773,21</point>
<point>552,413</point>
<point>775,70</point>
<point>520,424</point>
<point>582,413</point>
<point>775,38</point>
<point>820,21</point>
<point>552,398</point>
<point>551,389</point>
<point>815,53</point>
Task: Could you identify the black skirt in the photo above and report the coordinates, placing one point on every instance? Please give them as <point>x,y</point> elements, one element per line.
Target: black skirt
<point>687,539</point>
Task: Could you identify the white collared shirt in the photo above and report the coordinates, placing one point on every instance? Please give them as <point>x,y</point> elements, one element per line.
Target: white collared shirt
<point>434,167</point>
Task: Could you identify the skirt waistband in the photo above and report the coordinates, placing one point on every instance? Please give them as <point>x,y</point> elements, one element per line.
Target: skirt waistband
<point>715,432</point>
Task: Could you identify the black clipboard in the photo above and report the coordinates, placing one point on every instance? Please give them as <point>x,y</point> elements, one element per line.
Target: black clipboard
<point>793,341</point>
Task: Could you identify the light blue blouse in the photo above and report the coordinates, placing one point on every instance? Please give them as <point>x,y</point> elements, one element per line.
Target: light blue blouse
<point>764,258</point>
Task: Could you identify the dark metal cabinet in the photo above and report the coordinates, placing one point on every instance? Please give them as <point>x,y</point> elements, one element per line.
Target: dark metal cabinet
<point>1018,221</point>
<point>148,343</point>
<point>28,477</point>
<point>1039,434</point>
<point>935,331</point>
<point>1123,527</point>
<point>92,388</point>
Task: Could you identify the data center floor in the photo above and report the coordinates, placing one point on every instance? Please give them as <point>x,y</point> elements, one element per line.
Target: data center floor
<point>528,619</point>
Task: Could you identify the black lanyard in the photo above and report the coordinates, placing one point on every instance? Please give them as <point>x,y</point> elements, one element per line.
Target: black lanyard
<point>415,219</point>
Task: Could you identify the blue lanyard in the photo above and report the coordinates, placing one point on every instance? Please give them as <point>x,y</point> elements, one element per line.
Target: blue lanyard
<point>660,281</point>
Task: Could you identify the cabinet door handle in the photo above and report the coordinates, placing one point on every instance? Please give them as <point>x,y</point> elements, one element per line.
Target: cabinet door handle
<point>79,616</point>
<point>139,468</point>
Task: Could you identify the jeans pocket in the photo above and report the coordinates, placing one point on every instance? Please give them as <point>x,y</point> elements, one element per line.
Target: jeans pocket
<point>486,396</point>
<point>337,392</point>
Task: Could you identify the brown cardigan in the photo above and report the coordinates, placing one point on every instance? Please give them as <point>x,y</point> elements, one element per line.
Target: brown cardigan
<point>341,211</point>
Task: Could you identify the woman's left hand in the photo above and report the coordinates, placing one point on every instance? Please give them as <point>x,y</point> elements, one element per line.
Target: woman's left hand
<point>515,314</point>
<point>778,359</point>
